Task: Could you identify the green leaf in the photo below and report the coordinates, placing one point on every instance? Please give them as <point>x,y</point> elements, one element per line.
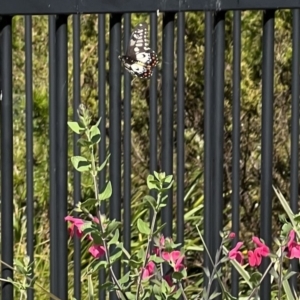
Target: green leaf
<point>289,275</point>
<point>106,286</point>
<point>156,289</point>
<point>102,166</point>
<point>288,292</point>
<point>106,194</point>
<point>214,295</point>
<point>168,186</point>
<point>115,238</point>
<point>130,295</point>
<point>89,203</point>
<point>159,229</point>
<point>124,279</point>
<point>98,264</point>
<point>177,275</point>
<point>98,122</point>
<point>112,226</point>
<point>75,127</point>
<point>177,294</point>
<point>84,142</point>
<point>255,277</point>
<point>143,227</point>
<point>90,288</point>
<point>81,164</point>
<point>20,267</point>
<point>152,183</point>
<point>151,201</point>
<point>117,253</point>
<point>157,176</point>
<point>95,134</point>
<point>285,206</point>
<point>141,253</point>
<point>156,259</point>
<point>165,288</point>
<point>169,179</point>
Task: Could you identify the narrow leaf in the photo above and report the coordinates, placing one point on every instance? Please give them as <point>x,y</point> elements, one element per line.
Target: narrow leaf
<point>90,288</point>
<point>106,194</point>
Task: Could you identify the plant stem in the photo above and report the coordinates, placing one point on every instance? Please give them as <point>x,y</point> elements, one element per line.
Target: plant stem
<point>150,237</point>
<point>100,225</point>
<point>280,274</point>
<point>182,291</point>
<point>264,275</point>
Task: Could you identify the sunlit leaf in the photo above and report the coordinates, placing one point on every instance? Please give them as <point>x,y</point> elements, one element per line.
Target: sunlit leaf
<point>95,134</point>
<point>106,194</point>
<point>143,227</point>
<point>81,164</point>
<point>75,127</point>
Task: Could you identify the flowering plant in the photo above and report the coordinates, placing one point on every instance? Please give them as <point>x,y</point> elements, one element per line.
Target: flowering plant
<point>146,274</point>
<point>158,268</point>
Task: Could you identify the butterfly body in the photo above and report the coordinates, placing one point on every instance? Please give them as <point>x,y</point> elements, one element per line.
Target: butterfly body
<point>139,59</point>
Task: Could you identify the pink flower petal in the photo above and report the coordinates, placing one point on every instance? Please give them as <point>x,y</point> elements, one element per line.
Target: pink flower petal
<point>251,258</point>
<point>166,256</point>
<point>97,251</point>
<point>175,255</point>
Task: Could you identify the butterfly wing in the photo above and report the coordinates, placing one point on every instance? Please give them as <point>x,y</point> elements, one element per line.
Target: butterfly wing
<point>138,41</point>
<point>139,59</point>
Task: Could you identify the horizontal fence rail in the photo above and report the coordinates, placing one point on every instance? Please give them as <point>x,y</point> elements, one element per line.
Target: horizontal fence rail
<point>37,7</point>
<point>166,103</point>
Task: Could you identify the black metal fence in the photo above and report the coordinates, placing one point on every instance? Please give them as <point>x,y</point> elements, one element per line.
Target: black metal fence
<point>215,14</point>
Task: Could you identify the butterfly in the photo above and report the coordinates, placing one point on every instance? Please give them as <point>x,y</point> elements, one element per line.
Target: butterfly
<point>139,59</point>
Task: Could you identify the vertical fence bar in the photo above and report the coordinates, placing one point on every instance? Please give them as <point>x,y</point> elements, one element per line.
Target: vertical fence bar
<point>208,100</point>
<point>153,103</point>
<point>236,112</point>
<point>266,141</point>
<point>295,128</point>
<point>167,113</point>
<point>7,233</point>
<point>218,134</point>
<point>180,125</point>
<point>153,107</point>
<point>115,124</point>
<point>52,136</point>
<point>62,152</point>
<point>127,142</point>
<point>102,115</point>
<point>29,144</point>
<point>76,149</point>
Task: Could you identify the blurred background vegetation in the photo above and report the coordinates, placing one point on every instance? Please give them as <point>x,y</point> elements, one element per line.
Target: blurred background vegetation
<point>251,69</point>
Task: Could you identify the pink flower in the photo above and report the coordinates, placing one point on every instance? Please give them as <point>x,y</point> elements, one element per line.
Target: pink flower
<point>76,224</point>
<point>292,246</point>
<point>254,258</point>
<point>231,235</point>
<point>264,249</point>
<point>175,259</point>
<point>96,220</point>
<point>236,254</point>
<point>149,270</point>
<point>97,251</point>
